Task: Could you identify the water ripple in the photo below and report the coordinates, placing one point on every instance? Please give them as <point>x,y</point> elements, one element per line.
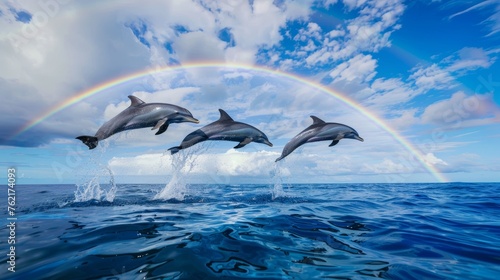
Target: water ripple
<point>238,232</point>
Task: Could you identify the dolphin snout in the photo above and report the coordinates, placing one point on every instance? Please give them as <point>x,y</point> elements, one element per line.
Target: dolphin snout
<point>192,119</point>
<point>359,138</point>
<point>268,143</point>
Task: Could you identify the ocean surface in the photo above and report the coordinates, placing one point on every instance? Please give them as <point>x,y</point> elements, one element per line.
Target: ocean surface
<point>331,231</point>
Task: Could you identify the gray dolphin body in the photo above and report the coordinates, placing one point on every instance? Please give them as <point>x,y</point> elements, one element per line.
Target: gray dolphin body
<point>140,115</point>
<point>225,128</point>
<point>320,131</point>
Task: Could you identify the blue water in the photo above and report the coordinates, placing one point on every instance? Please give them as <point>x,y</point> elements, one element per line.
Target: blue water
<point>336,231</point>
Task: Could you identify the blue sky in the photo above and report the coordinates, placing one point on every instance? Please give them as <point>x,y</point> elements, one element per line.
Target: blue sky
<point>427,69</point>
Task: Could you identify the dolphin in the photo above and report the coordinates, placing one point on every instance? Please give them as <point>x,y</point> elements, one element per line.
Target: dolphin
<point>320,131</point>
<point>225,128</point>
<point>140,115</point>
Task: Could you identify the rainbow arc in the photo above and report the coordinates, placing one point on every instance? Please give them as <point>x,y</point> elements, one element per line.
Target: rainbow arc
<point>341,97</point>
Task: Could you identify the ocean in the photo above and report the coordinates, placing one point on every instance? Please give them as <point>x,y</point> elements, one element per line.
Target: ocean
<point>298,231</point>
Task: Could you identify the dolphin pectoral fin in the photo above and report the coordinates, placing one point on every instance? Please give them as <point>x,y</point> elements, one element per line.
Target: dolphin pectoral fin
<point>159,123</point>
<point>90,141</point>
<point>243,143</point>
<point>162,129</point>
<point>334,142</point>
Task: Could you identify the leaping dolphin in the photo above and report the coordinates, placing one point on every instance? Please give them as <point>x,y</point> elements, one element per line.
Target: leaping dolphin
<point>225,128</point>
<point>140,115</point>
<point>320,131</point>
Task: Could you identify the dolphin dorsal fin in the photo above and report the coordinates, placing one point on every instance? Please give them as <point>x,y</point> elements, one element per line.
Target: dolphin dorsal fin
<point>224,116</point>
<point>317,120</point>
<point>136,101</point>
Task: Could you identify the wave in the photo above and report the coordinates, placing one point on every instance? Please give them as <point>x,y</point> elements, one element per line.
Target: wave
<point>340,231</point>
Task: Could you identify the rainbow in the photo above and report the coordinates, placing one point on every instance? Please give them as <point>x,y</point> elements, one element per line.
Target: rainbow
<point>346,100</point>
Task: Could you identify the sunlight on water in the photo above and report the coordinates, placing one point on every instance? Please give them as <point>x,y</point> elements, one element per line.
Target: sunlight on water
<point>182,163</point>
<point>93,189</point>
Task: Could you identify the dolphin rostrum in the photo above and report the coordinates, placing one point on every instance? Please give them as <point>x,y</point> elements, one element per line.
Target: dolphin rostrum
<point>320,131</point>
<point>225,128</point>
<point>140,115</point>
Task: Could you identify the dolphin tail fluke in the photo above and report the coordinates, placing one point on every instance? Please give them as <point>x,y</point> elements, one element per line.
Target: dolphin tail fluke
<point>90,141</point>
<point>174,150</point>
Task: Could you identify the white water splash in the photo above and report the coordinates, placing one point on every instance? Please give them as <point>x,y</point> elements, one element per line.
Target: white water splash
<point>277,175</point>
<point>182,163</point>
<point>93,189</point>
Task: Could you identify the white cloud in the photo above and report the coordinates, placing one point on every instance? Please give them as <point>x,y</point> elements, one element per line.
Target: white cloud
<point>470,59</point>
<point>369,31</point>
<point>328,3</point>
<point>471,163</point>
<point>62,55</point>
<point>236,163</point>
<point>432,77</point>
<point>65,47</point>
<point>312,31</point>
<point>405,120</point>
<point>230,163</point>
<point>442,75</point>
<point>199,46</point>
<point>388,92</point>
<point>431,159</point>
<point>361,67</point>
<point>352,4</point>
<point>233,164</point>
<point>492,21</point>
<point>141,165</point>
<point>387,166</point>
<point>253,25</point>
<point>401,163</point>
<point>67,53</point>
<point>384,92</point>
<point>461,110</point>
<point>190,29</point>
